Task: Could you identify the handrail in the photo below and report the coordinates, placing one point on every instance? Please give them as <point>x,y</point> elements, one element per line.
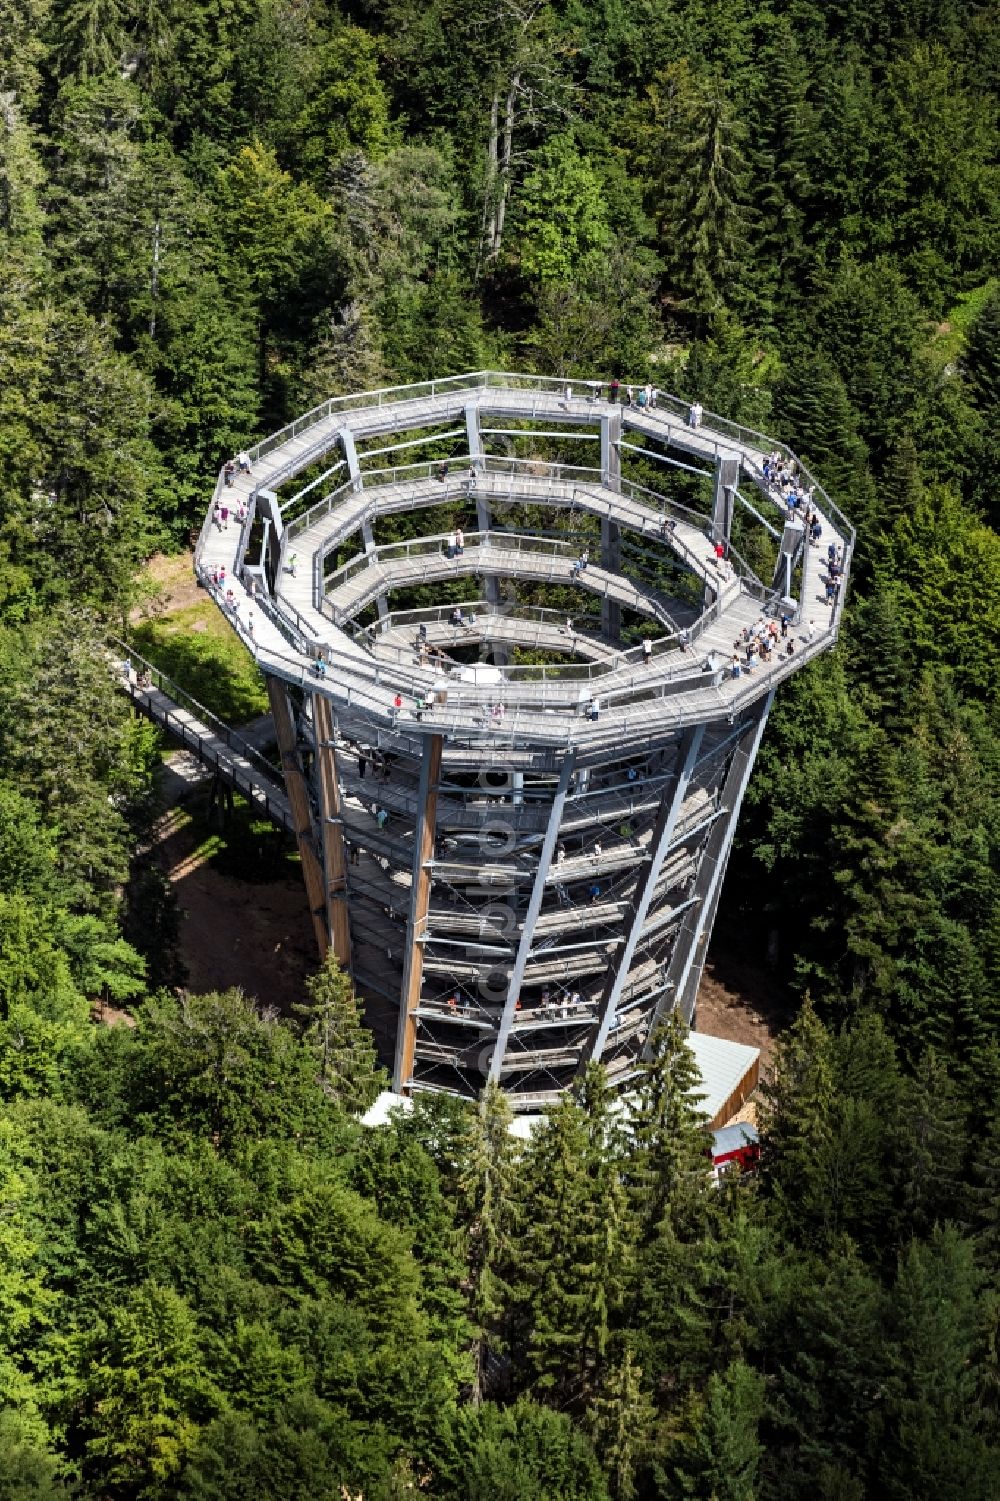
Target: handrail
<point>745,436</point>
<point>369,681</point>
<point>186,700</point>
<point>482,543</point>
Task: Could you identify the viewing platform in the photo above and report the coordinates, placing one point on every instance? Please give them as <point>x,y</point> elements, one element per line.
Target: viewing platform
<point>519,680</point>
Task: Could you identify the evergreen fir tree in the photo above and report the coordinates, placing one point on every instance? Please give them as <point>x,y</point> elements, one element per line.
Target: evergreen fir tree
<point>706,212</point>
<point>620,1422</point>
<point>929,1152</point>
<point>486,1197</point>
<point>796,1118</point>
<point>827,1365</point>
<point>348,1063</point>
<point>901,483</point>
<point>668,1166</point>
<point>718,1459</point>
<point>981,361</point>
<point>937,1435</point>
<point>573,1241</point>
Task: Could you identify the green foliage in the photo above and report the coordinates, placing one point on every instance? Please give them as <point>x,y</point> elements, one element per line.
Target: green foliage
<point>29,1470</point>
<point>214,1282</point>
<point>332,1027</point>
<point>213,1066</point>
<point>574,1244</point>
<point>348,106</point>
<point>720,1457</point>
<point>563,214</point>
<point>148,1392</point>
<point>526,1453</point>
<point>196,648</point>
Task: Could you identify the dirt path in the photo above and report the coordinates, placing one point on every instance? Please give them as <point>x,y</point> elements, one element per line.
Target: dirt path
<point>742,1002</point>
<point>253,934</point>
<point>169,584</point>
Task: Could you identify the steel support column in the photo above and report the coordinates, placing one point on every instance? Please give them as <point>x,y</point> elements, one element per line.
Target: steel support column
<point>611,462</point>
<point>531,916</point>
<point>302,818</point>
<point>688,958</point>
<point>727,475</point>
<point>332,827</point>
<point>475,436</point>
<point>611,558</point>
<point>491,584</point>
<point>351,457</point>
<point>368,538</point>
<point>793,541</point>
<point>663,833</point>
<point>420,897</point>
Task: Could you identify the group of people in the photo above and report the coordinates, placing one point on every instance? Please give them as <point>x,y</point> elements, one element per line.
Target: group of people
<point>758,644</point>
<point>143,678</point>
<point>646,396</point>
<point>229,468</point>
<point>493,714</point>
<point>221,513</point>
<point>380,763</point>
<point>227,596</point>
<point>834,572</point>
<point>426,651</point>
<point>785,488</point>
<point>457,1003</point>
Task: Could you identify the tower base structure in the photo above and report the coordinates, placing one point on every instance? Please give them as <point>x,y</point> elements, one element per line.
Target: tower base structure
<point>516,743</point>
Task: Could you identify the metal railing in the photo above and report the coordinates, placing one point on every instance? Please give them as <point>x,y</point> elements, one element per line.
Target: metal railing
<point>369,678</point>
<point>478,545</point>
<point>201,731</point>
<point>462,713</point>
<point>745,437</point>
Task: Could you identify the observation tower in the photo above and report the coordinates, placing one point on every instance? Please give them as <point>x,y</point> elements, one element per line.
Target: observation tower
<point>497,617</point>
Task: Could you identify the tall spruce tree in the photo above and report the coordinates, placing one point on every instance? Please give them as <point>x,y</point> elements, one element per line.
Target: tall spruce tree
<point>487,1202</point>
<point>620,1422</point>
<point>332,1026</point>
<point>667,1167</point>
<point>572,1234</point>
<point>707,211</point>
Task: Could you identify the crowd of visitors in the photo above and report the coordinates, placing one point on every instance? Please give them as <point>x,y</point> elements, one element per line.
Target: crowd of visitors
<point>560,1003</point>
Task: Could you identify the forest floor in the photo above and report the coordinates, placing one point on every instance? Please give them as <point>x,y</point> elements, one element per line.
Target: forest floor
<point>252,933</point>
<point>168,583</point>
<point>742,1002</point>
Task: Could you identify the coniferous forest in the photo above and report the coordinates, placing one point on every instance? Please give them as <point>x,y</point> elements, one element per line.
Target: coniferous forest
<point>213,1282</point>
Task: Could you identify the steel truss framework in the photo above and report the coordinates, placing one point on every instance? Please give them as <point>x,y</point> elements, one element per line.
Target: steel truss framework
<point>521,868</point>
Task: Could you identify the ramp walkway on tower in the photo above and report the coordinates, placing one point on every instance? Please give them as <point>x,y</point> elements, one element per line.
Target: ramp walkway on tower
<point>285,618</point>
<point>236,762</point>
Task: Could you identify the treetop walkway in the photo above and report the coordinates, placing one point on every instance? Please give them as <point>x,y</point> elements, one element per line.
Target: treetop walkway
<point>291,615</point>
<point>522,857</point>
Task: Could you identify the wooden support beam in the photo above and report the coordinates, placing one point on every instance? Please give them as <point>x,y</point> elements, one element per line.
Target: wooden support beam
<point>298,797</point>
<point>420,898</point>
<point>332,830</point>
